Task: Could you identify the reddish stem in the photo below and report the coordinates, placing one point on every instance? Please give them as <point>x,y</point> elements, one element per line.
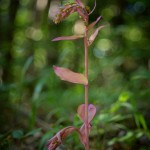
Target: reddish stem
<point>86,89</point>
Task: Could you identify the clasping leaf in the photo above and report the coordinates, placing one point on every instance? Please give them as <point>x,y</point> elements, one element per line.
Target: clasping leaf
<point>70,76</point>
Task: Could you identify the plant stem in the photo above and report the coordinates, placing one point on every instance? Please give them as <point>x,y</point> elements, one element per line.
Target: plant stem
<point>86,89</point>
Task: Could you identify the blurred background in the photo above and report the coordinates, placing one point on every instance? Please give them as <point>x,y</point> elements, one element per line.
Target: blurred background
<point>35,104</point>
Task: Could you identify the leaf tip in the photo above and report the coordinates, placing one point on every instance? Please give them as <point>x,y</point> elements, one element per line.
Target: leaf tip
<point>99,17</point>
<point>53,40</point>
<point>55,68</point>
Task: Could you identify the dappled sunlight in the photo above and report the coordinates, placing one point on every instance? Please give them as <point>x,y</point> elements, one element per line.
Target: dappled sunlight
<point>35,104</point>
<point>53,9</point>
<point>34,34</point>
<point>41,4</point>
<point>39,58</point>
<point>79,27</point>
<point>110,12</point>
<point>104,45</point>
<point>134,34</point>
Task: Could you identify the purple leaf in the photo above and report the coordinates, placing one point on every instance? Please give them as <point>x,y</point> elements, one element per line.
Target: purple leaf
<point>54,142</point>
<point>82,131</point>
<point>94,23</point>
<point>70,76</point>
<point>94,35</point>
<point>91,112</point>
<point>74,37</point>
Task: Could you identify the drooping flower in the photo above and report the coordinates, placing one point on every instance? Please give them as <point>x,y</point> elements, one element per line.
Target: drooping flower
<point>84,12</point>
<point>70,8</point>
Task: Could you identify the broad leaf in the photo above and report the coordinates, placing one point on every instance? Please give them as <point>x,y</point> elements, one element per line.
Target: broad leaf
<point>74,37</point>
<point>91,112</point>
<point>17,134</point>
<point>93,36</point>
<point>94,23</point>
<point>70,76</point>
<point>54,142</point>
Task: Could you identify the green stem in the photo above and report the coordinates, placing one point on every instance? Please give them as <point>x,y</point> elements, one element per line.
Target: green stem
<point>86,89</point>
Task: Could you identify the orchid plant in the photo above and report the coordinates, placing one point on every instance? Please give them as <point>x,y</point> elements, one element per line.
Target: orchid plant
<point>85,111</point>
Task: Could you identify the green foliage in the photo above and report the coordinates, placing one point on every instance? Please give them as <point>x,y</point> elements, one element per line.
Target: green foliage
<point>17,134</point>
<point>32,97</point>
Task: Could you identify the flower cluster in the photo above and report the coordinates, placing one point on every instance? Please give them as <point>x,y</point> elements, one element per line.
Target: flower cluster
<point>68,9</point>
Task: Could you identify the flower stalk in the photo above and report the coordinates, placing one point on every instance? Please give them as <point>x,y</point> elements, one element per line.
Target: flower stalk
<point>85,111</point>
<point>86,88</point>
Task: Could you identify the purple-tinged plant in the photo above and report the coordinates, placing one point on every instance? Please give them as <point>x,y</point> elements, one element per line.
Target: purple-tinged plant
<point>85,111</point>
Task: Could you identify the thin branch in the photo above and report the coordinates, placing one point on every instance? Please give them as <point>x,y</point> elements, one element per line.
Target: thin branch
<point>93,8</point>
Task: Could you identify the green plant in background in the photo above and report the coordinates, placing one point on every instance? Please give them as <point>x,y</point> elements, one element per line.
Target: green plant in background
<point>31,97</point>
<point>85,111</point>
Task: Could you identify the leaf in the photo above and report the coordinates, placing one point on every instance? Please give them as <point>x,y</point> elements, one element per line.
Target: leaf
<point>54,142</point>
<point>94,23</point>
<point>33,132</point>
<point>91,112</point>
<point>27,65</point>
<point>17,134</point>
<point>70,76</point>
<point>74,37</point>
<point>82,131</point>
<point>93,36</point>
